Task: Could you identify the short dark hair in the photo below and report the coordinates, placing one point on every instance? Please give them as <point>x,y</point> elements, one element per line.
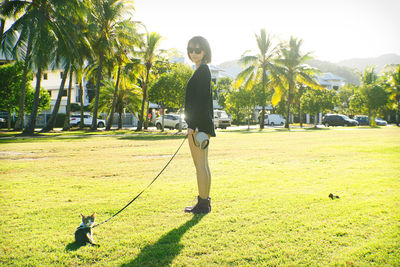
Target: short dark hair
<point>203,44</point>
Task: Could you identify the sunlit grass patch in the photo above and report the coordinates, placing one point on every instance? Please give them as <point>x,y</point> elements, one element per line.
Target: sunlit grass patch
<point>269,193</point>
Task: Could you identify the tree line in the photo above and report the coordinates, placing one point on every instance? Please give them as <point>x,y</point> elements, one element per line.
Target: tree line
<point>278,75</point>
<point>98,40</point>
<point>92,39</point>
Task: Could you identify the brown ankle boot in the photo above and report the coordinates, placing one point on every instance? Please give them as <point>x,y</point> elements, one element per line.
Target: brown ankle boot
<point>202,206</point>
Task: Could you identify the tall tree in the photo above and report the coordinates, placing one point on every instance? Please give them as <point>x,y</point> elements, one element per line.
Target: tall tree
<point>222,90</point>
<point>316,101</point>
<point>149,55</point>
<point>104,18</point>
<point>170,88</point>
<point>241,103</point>
<point>394,91</point>
<point>344,94</point>
<point>128,97</point>
<point>67,124</point>
<point>258,67</point>
<point>373,95</point>
<point>2,19</point>
<point>293,73</point>
<point>10,83</point>
<point>18,47</point>
<point>127,38</point>
<point>65,54</point>
<point>43,25</point>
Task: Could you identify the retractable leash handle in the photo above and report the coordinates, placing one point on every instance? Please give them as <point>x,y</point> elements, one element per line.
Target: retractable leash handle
<point>201,139</point>
<point>130,202</point>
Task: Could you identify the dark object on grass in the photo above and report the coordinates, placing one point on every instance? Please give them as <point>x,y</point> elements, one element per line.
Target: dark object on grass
<point>84,234</point>
<point>332,196</point>
<point>202,206</point>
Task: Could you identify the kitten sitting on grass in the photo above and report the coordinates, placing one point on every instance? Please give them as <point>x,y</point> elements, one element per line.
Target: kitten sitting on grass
<point>84,234</point>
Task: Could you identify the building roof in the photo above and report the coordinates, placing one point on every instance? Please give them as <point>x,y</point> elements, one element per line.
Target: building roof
<point>330,77</point>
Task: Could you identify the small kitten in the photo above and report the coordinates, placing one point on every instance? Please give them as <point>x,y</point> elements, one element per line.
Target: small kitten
<point>83,234</point>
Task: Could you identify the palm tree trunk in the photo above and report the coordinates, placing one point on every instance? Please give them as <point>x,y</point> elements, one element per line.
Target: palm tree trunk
<point>20,123</point>
<point>140,124</point>
<point>141,116</point>
<point>2,25</point>
<point>248,119</point>
<point>120,120</point>
<point>98,83</point>
<point>398,113</point>
<point>81,125</point>
<point>8,117</point>
<point>300,116</point>
<point>67,125</point>
<point>263,99</point>
<point>371,120</point>
<point>111,117</point>
<point>146,122</point>
<point>32,122</point>
<point>51,123</point>
<point>288,105</point>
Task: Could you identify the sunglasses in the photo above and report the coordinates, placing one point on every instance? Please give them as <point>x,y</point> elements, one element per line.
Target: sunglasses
<point>194,50</point>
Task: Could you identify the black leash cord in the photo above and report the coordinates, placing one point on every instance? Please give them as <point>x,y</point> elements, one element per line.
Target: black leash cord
<point>145,187</point>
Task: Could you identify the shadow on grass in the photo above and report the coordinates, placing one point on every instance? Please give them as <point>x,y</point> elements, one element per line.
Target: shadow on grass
<point>152,137</point>
<point>73,246</point>
<point>317,129</point>
<point>251,131</point>
<point>163,252</point>
<point>40,138</point>
<point>70,135</point>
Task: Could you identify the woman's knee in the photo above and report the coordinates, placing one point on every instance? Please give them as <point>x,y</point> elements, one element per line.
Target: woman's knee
<point>201,166</point>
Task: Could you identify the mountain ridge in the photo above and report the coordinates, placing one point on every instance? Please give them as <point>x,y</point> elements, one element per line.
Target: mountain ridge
<point>349,69</point>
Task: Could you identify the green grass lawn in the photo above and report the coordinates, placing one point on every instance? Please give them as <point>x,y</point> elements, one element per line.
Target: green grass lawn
<point>269,193</point>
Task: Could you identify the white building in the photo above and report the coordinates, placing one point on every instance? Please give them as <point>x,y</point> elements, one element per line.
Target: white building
<point>331,81</point>
<point>51,81</point>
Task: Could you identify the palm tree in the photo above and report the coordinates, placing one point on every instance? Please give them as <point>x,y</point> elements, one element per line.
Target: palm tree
<point>104,18</point>
<point>373,94</point>
<point>22,52</point>
<point>293,73</point>
<point>43,25</point>
<point>149,55</point>
<point>395,91</point>
<point>66,55</point>
<point>124,44</point>
<point>128,96</point>
<point>67,124</point>
<point>2,19</point>
<point>257,68</point>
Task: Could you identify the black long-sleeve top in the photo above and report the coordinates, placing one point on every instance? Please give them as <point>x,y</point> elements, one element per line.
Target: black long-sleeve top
<point>199,111</point>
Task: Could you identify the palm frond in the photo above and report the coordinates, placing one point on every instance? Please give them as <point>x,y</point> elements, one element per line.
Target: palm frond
<point>309,81</point>
<point>279,92</point>
<point>244,74</point>
<point>247,60</point>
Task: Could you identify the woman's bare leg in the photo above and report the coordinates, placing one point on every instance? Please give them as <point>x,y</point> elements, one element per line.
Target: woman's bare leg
<point>200,160</point>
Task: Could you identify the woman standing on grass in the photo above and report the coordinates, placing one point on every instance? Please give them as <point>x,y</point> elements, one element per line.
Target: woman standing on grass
<point>199,117</point>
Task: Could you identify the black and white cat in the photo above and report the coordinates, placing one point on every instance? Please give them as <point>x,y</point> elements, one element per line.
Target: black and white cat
<point>84,234</point>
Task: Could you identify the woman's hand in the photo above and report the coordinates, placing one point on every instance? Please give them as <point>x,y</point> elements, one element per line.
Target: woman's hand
<point>189,131</point>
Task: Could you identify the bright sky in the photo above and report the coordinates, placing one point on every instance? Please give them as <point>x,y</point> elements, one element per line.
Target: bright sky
<point>332,29</point>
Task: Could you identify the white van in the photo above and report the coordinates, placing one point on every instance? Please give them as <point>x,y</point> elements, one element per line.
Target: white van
<point>274,119</point>
<point>221,119</point>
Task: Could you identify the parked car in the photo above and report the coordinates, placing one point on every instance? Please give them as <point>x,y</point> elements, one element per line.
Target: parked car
<point>75,120</point>
<point>3,123</point>
<point>361,119</point>
<point>274,119</point>
<point>380,122</point>
<point>221,119</point>
<point>338,120</point>
<point>170,121</point>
